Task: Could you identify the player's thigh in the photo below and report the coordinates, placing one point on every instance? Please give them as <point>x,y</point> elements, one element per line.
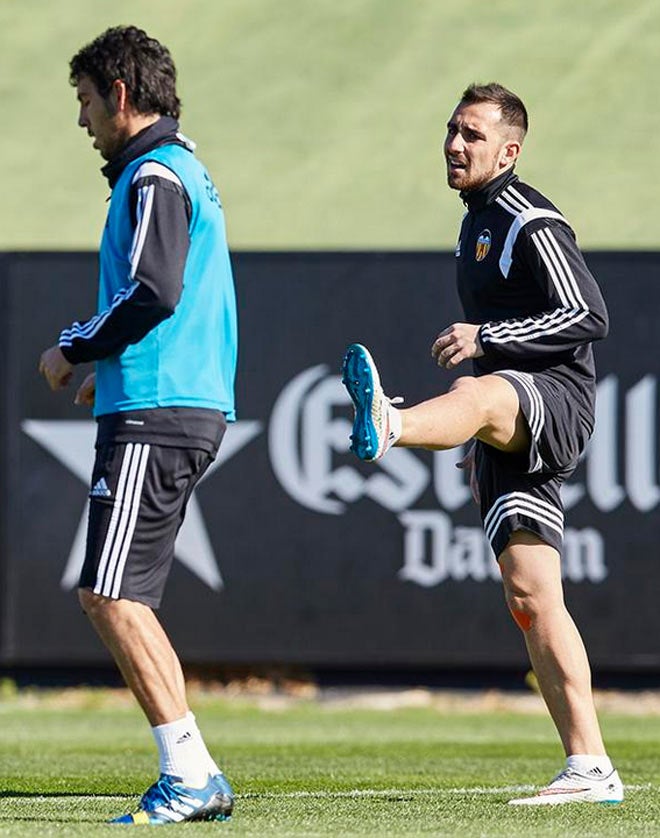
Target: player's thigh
<point>504,425</point>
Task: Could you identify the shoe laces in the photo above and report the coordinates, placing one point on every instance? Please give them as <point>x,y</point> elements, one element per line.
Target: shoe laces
<point>160,793</point>
<point>566,774</point>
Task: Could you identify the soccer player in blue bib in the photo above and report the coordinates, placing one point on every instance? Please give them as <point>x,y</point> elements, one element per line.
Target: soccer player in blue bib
<point>532,311</point>
<point>164,344</point>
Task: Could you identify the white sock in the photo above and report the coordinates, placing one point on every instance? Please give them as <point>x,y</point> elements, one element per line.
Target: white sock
<point>182,751</point>
<point>395,424</point>
<point>211,765</point>
<point>584,763</point>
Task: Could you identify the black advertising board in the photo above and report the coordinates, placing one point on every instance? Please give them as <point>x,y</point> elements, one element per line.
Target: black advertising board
<point>293,551</point>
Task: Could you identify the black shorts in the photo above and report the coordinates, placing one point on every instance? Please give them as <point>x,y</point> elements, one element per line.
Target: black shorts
<point>137,505</point>
<point>522,491</point>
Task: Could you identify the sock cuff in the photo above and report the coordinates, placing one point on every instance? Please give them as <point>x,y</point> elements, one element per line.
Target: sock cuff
<point>395,423</point>
<point>583,763</point>
<point>171,727</point>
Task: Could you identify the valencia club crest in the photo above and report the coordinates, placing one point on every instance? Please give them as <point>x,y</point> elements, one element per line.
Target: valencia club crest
<point>483,245</point>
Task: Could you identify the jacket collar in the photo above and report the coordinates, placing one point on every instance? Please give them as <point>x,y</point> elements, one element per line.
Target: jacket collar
<point>164,131</point>
<point>480,198</point>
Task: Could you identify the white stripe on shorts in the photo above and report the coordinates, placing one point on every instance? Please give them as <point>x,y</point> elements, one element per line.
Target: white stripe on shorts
<point>536,418</point>
<point>520,503</point>
<point>537,408</point>
<point>122,520</point>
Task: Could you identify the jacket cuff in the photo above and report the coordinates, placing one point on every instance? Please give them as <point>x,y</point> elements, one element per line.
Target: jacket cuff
<point>68,353</point>
<point>483,344</point>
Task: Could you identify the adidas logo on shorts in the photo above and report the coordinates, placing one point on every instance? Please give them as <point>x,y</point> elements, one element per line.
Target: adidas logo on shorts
<point>100,490</point>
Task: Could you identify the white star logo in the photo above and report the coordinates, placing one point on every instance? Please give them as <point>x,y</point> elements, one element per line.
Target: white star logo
<point>72,443</point>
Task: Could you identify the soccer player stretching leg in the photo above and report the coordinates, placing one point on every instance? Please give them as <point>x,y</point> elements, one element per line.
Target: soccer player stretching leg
<point>532,310</point>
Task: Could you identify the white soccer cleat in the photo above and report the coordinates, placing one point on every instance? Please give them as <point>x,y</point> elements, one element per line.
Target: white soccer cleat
<point>571,787</point>
<point>373,434</point>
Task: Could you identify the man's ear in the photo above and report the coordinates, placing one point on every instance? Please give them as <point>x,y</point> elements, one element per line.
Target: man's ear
<point>118,96</point>
<point>510,153</point>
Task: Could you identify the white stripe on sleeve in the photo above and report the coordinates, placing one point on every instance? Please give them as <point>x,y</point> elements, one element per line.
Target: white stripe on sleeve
<point>88,329</point>
<point>145,204</point>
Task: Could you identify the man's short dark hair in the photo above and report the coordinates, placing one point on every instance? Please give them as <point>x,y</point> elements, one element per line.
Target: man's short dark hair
<point>511,106</point>
<point>128,54</point>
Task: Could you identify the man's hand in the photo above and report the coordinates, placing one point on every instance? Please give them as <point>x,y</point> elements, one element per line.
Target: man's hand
<point>55,368</point>
<point>87,391</point>
<point>457,343</point>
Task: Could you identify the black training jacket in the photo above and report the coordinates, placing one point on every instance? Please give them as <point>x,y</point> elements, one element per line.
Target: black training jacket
<point>523,279</point>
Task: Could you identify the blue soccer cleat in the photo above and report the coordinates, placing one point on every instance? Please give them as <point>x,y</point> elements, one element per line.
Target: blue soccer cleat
<point>170,801</point>
<point>372,428</point>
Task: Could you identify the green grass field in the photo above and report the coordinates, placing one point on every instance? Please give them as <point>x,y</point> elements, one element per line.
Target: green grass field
<point>322,121</point>
<point>315,768</point>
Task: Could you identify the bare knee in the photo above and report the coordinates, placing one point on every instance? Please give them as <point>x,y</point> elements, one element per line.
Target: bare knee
<point>523,609</point>
<point>491,404</point>
<point>473,400</point>
<point>531,574</point>
<point>530,603</point>
<point>469,387</point>
<point>525,595</point>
